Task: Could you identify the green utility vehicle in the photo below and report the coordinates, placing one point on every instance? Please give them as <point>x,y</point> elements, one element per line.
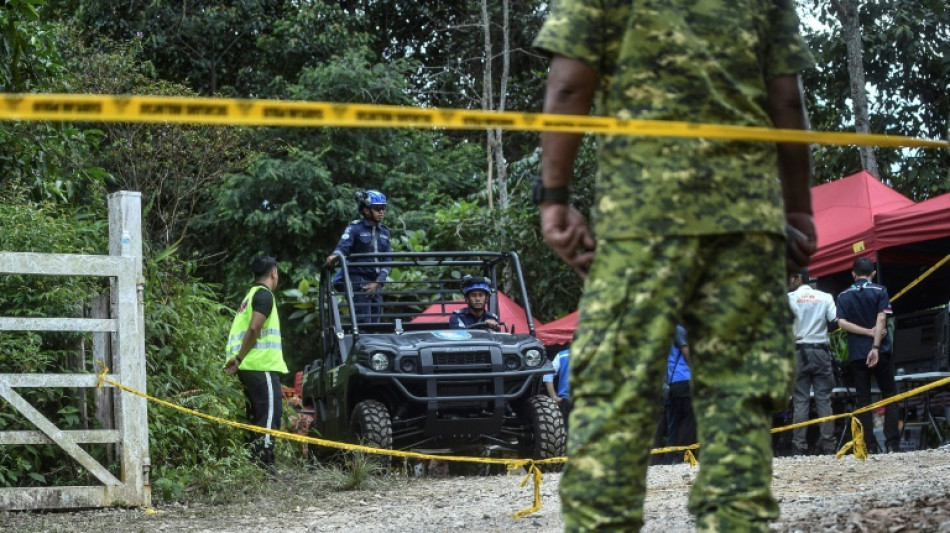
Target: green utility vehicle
<point>395,375</point>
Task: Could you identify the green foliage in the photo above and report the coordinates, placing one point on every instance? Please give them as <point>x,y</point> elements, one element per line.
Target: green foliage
<point>221,479</point>
<point>27,227</point>
<point>553,288</point>
<point>47,161</point>
<point>838,340</point>
<point>906,49</point>
<point>237,48</point>
<point>175,166</point>
<point>29,59</point>
<point>185,333</point>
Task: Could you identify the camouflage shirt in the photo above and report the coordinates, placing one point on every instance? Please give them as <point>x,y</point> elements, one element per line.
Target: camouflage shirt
<point>686,60</point>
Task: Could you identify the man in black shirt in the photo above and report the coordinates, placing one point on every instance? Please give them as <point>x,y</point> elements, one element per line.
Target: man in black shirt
<point>862,312</point>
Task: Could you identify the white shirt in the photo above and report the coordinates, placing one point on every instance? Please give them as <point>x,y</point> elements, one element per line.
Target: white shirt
<point>813,310</point>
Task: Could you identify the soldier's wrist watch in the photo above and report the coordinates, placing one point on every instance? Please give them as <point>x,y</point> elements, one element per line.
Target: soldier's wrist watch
<point>549,195</point>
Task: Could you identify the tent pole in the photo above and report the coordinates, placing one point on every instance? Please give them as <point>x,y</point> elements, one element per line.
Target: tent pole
<point>877,263</point>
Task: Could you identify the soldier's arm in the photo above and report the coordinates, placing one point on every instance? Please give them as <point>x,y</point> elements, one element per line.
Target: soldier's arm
<point>787,111</point>
<point>570,91</point>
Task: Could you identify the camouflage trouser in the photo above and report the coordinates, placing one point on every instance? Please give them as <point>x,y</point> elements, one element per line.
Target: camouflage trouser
<point>729,293</point>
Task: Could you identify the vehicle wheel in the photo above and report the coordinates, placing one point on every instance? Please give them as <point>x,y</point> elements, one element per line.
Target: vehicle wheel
<point>457,468</point>
<point>371,425</point>
<point>546,429</point>
<point>322,455</point>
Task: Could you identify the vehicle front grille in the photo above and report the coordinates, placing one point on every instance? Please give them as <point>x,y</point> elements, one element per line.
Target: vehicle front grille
<point>461,358</point>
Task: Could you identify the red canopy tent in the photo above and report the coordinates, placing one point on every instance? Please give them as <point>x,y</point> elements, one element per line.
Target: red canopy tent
<point>560,331</point>
<point>857,216</point>
<point>903,237</point>
<point>509,312</point>
<point>927,220</point>
<point>845,212</point>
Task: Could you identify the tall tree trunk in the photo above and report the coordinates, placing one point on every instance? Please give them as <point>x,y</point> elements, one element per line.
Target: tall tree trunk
<point>487,97</point>
<point>848,13</point>
<point>498,165</point>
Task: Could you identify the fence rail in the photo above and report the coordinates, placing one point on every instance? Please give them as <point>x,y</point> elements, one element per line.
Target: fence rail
<point>118,342</point>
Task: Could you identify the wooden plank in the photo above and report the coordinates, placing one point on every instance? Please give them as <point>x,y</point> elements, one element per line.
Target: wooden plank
<point>57,435</point>
<point>125,240</point>
<point>80,436</point>
<point>57,324</point>
<point>54,380</point>
<point>33,498</point>
<point>62,264</point>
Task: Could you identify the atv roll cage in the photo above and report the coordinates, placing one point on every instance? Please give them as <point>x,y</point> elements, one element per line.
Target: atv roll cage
<point>406,299</point>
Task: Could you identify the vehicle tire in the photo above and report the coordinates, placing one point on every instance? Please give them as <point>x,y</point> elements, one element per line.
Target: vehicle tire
<point>547,438</point>
<point>457,468</point>
<point>371,425</point>
<point>322,455</point>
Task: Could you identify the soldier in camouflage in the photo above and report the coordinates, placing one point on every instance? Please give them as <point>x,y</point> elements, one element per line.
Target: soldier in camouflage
<point>687,230</point>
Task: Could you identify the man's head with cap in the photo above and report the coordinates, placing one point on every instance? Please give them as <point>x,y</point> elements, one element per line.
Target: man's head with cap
<point>804,275</point>
<point>863,267</point>
<point>798,279</point>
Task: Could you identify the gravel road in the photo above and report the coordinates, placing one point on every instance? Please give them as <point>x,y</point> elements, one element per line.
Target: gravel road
<point>905,493</point>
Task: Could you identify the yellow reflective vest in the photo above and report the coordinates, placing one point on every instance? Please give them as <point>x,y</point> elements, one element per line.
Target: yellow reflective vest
<point>266,355</point>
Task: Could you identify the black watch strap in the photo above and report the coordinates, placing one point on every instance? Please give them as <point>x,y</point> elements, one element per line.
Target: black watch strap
<point>549,195</point>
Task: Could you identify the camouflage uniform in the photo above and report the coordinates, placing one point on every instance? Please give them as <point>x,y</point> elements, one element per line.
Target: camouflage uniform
<point>688,230</point>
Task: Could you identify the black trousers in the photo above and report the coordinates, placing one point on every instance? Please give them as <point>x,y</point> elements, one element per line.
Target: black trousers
<point>883,373</point>
<point>680,419</point>
<point>565,406</point>
<point>262,399</point>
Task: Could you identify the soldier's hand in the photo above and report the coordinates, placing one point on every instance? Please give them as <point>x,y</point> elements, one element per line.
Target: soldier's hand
<point>567,234</point>
<point>332,259</point>
<point>802,240</point>
<point>493,324</point>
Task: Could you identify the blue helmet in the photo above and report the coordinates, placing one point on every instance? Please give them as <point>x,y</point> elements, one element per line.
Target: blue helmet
<point>369,198</point>
<point>476,283</point>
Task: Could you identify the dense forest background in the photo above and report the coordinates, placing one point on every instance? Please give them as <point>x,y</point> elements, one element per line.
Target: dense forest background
<point>216,196</point>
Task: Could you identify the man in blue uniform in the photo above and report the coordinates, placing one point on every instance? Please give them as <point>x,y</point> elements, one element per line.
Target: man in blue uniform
<point>477,292</point>
<point>862,312</point>
<point>561,394</point>
<point>365,235</point>
<point>680,420</point>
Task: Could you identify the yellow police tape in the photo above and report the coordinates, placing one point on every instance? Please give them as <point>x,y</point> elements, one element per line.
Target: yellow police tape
<point>531,465</point>
<point>920,278</point>
<point>857,434</point>
<point>231,111</point>
<point>857,443</point>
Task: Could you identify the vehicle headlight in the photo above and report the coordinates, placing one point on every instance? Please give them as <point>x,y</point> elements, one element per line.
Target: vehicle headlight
<point>512,362</point>
<point>379,361</point>
<point>533,358</point>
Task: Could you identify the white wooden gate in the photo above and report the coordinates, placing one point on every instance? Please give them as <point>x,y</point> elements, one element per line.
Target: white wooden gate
<point>124,333</point>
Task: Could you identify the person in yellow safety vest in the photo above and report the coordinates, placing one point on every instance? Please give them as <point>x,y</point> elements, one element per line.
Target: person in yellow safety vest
<point>254,353</point>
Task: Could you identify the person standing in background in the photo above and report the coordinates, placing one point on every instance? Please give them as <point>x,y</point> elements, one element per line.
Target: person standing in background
<point>561,394</point>
<point>365,235</point>
<point>255,354</point>
<point>680,420</point>
<point>862,311</point>
<point>814,373</point>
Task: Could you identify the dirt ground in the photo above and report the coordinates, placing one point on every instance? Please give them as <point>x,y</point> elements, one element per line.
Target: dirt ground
<point>906,493</point>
